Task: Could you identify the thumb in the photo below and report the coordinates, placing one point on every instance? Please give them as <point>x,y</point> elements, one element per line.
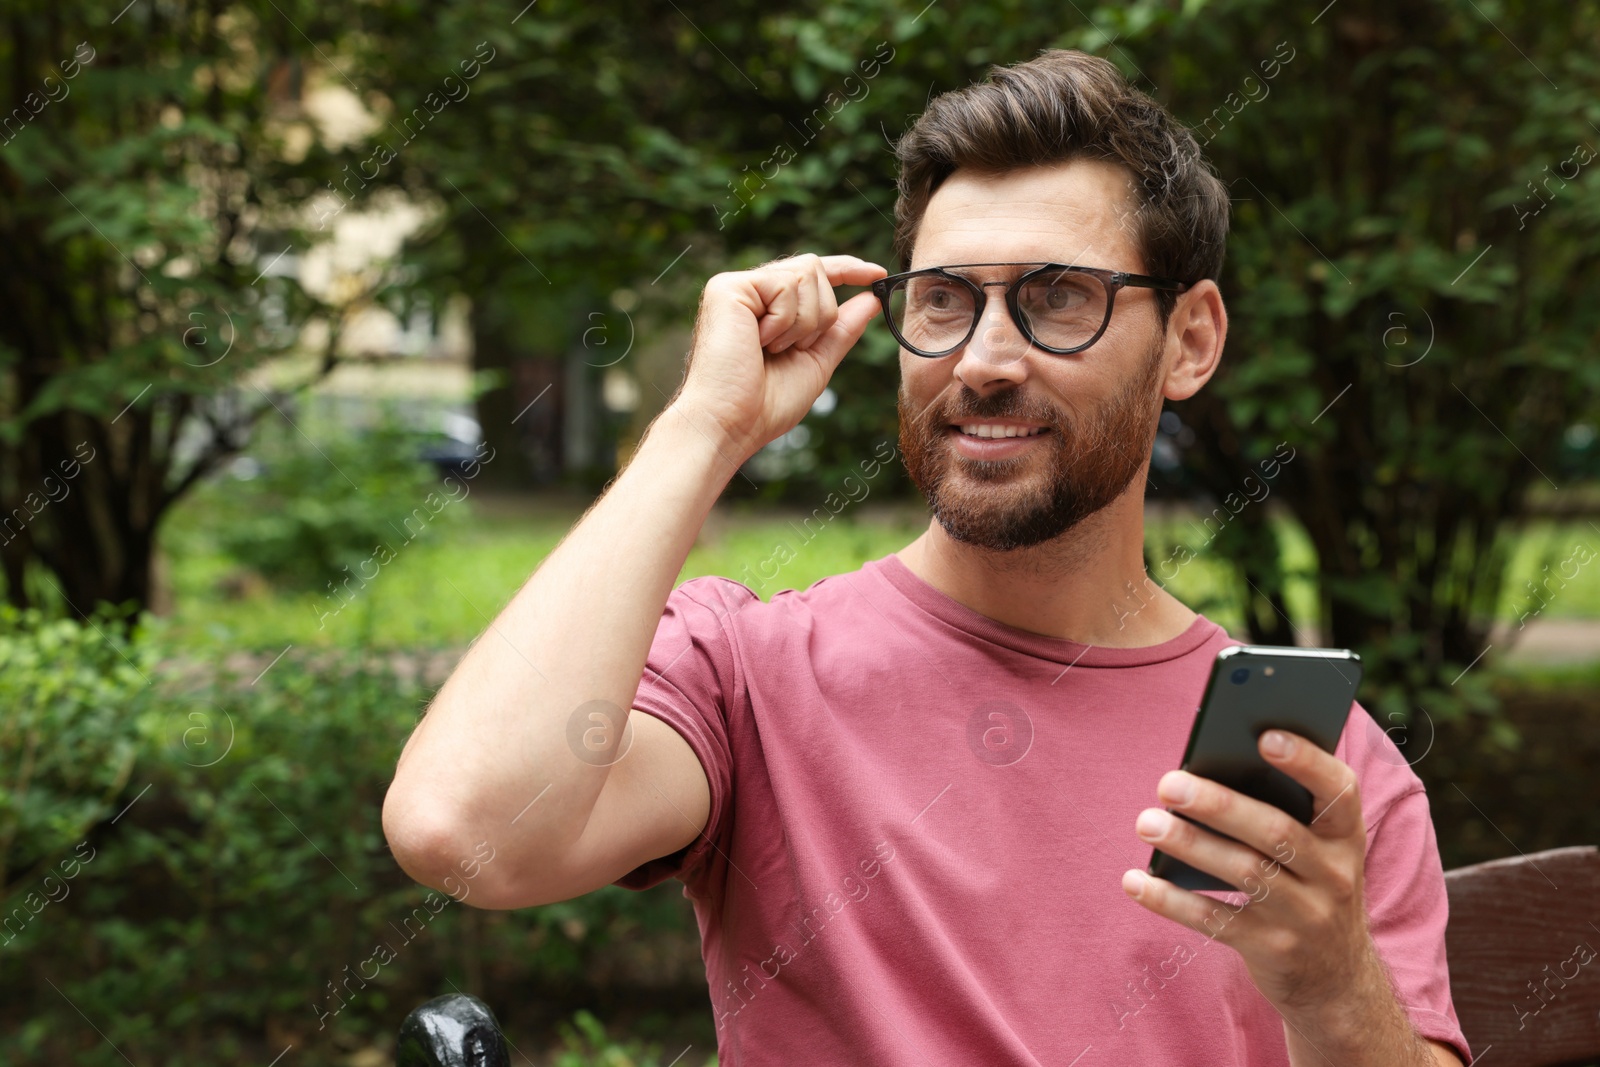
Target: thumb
<point>851,323</point>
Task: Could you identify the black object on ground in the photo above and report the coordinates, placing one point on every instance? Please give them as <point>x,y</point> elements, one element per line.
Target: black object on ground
<point>454,1030</point>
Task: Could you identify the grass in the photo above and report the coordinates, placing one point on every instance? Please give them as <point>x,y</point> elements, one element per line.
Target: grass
<point>442,589</point>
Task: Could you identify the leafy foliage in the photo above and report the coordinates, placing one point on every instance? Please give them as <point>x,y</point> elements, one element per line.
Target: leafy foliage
<point>1405,302</point>
<point>152,199</point>
<point>246,899</point>
<point>67,738</point>
<point>586,1044</point>
<point>322,512</point>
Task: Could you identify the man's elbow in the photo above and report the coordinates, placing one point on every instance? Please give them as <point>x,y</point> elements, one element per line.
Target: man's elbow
<point>436,849</point>
<point>418,837</point>
<point>449,854</point>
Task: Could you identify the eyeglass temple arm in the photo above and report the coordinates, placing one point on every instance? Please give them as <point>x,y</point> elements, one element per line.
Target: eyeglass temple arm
<point>1145,281</point>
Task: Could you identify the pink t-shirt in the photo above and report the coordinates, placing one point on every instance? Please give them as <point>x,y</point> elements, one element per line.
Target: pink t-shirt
<point>919,822</point>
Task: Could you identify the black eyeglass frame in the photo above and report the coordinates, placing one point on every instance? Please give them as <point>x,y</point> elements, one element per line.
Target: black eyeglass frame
<point>1111,280</point>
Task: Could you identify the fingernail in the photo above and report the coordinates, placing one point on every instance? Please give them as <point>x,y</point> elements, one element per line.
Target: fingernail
<point>1177,788</point>
<point>1133,883</point>
<point>1152,824</point>
<point>1277,743</point>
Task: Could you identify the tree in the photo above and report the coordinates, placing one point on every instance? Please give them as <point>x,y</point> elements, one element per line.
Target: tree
<point>146,190</point>
<point>1415,225</point>
<point>588,153</point>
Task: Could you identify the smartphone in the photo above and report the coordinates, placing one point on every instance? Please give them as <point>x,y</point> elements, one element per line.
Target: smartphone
<point>1252,689</point>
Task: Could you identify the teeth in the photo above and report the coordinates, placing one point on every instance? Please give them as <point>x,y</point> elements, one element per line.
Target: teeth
<point>984,429</point>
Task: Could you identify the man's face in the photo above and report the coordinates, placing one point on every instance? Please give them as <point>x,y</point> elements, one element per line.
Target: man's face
<point>1090,416</point>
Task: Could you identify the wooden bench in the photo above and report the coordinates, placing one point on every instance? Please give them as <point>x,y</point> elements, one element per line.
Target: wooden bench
<point>1524,949</point>
<point>1522,942</point>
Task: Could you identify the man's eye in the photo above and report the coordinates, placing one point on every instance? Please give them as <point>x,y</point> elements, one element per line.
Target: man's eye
<point>1064,297</point>
<point>942,298</point>
<point>1060,298</point>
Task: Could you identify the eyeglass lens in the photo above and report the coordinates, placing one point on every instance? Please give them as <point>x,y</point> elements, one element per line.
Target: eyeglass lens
<point>1061,309</point>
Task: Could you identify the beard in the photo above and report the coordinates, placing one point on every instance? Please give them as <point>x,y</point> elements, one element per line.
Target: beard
<point>1074,471</point>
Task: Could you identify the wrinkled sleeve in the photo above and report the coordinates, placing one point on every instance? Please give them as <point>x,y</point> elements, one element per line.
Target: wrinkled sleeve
<point>690,681</point>
<point>1407,905</point>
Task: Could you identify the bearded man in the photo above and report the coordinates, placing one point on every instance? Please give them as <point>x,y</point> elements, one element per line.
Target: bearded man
<point>912,804</point>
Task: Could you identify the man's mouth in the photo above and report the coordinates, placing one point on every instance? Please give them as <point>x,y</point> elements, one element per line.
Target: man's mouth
<point>998,429</point>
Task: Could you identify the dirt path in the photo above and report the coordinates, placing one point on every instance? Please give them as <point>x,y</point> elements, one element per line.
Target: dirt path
<point>1558,642</point>
<point>1550,641</point>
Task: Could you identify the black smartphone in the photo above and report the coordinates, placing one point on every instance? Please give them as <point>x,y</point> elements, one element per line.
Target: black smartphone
<point>1253,689</point>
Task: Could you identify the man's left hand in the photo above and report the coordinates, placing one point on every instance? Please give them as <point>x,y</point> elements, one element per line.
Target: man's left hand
<point>1303,932</point>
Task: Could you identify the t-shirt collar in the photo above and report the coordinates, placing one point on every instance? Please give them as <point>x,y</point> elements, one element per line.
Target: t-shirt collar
<point>924,597</point>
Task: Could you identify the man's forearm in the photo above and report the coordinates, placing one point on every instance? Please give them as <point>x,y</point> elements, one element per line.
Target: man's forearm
<point>1366,1026</point>
<point>578,631</point>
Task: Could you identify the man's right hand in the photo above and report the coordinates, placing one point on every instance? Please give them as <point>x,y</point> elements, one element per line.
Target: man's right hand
<point>766,342</point>
<point>498,737</point>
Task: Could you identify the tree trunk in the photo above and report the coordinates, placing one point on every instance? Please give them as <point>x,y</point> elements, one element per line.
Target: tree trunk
<point>519,417</point>
<point>93,494</point>
<point>1248,543</point>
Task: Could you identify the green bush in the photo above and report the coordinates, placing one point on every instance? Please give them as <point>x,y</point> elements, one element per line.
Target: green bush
<point>247,900</point>
<point>67,745</point>
<point>585,1044</point>
<point>323,513</point>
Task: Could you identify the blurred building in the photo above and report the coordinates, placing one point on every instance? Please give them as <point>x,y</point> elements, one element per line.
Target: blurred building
<point>408,356</point>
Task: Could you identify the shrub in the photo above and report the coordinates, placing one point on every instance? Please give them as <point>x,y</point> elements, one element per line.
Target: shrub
<point>585,1044</point>
<point>68,742</point>
<point>318,512</point>
<point>247,900</point>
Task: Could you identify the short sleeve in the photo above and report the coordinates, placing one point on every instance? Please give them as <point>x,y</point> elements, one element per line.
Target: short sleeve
<point>1407,905</point>
<point>690,680</point>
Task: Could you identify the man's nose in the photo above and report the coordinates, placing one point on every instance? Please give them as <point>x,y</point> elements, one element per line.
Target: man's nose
<point>996,350</point>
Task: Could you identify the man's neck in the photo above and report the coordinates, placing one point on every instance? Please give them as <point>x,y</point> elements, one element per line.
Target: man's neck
<point>1088,585</point>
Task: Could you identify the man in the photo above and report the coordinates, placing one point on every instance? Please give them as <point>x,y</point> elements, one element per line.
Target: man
<point>912,804</point>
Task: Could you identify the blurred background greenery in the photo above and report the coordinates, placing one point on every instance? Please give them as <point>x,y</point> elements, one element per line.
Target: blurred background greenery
<point>322,323</point>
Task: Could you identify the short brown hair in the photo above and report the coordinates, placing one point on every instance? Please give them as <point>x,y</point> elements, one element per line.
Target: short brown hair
<point>1065,105</point>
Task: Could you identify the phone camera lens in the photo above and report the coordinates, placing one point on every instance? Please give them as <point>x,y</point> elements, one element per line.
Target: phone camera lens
<point>1240,676</point>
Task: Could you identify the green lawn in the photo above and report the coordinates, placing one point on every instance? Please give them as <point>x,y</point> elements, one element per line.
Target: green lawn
<point>444,587</point>
<point>441,589</point>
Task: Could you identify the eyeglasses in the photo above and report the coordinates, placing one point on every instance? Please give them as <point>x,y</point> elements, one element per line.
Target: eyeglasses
<point>1058,307</point>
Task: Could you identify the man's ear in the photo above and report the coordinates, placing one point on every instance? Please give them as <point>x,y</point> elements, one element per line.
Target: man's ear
<point>1197,327</point>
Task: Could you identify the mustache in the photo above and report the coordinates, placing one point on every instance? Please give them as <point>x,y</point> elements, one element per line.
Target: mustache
<point>967,406</point>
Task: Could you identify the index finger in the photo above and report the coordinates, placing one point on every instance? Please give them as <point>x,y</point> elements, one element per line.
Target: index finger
<point>851,270</point>
<point>1335,798</point>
